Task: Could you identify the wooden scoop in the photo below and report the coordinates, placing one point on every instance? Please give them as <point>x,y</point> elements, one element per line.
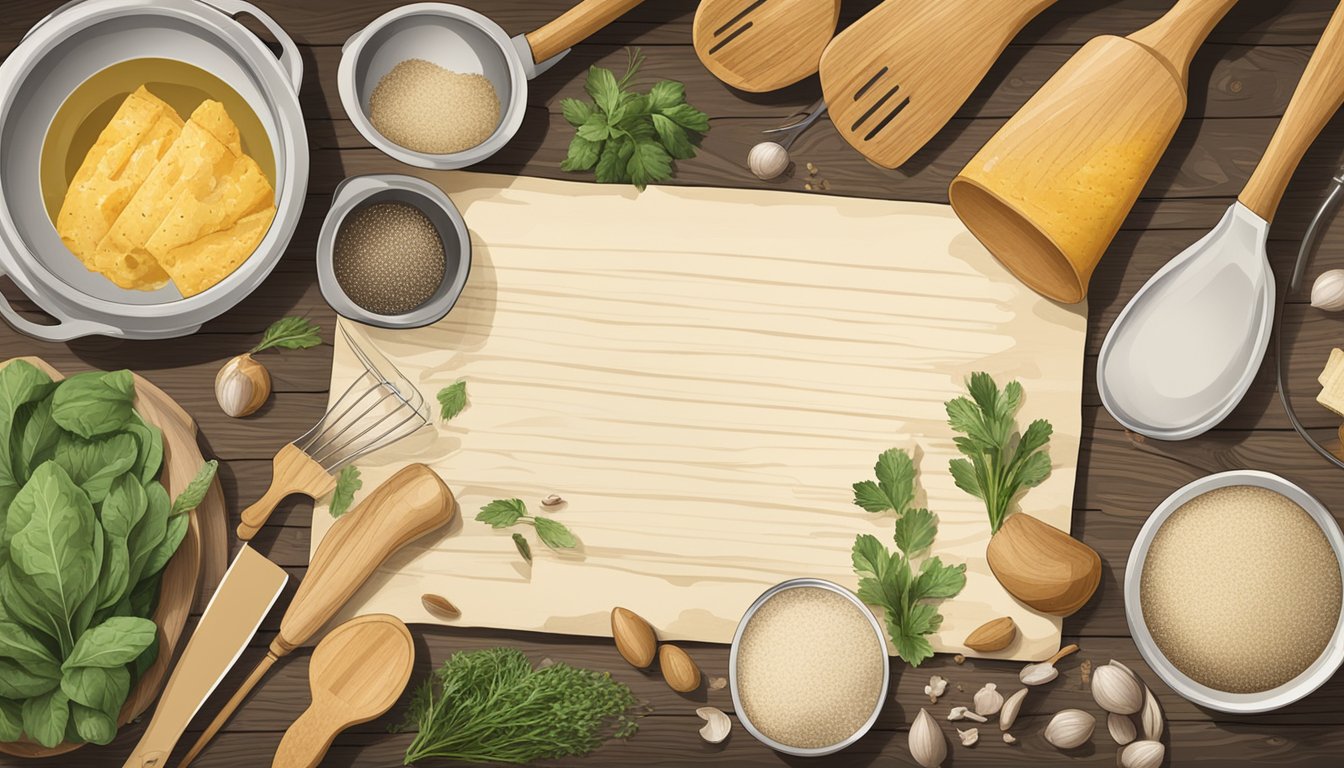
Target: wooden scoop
<point>763,45</point>
<point>897,75</point>
<point>356,674</point>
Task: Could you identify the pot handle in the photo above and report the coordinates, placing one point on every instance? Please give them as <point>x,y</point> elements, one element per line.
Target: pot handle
<point>289,53</point>
<point>66,329</point>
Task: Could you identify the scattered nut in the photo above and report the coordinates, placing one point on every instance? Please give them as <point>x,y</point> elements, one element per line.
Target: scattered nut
<point>439,606</point>
<point>962,713</point>
<point>1121,728</point>
<point>959,659</point>
<point>679,669</point>
<point>1116,689</point>
<point>1009,738</point>
<point>992,635</point>
<point>1151,717</point>
<point>717,724</point>
<point>1070,728</point>
<point>808,187</point>
<point>552,501</point>
<point>1008,715</point>
<point>1142,754</point>
<point>718,683</point>
<point>988,700</point>
<point>927,744</point>
<point>634,637</point>
<point>936,687</point>
<point>969,736</point>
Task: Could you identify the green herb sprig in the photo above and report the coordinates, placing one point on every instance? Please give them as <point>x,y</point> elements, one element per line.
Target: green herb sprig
<point>504,513</point>
<point>289,333</point>
<point>491,706</point>
<point>452,400</point>
<point>888,579</point>
<point>999,463</point>
<point>347,482</point>
<point>628,137</point>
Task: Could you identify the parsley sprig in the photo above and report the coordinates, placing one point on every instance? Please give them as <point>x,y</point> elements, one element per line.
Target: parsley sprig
<point>628,137</point>
<point>503,513</point>
<point>999,462</point>
<point>889,579</point>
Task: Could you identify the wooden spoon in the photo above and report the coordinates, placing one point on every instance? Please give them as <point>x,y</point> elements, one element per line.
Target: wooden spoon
<point>763,45</point>
<point>356,674</point>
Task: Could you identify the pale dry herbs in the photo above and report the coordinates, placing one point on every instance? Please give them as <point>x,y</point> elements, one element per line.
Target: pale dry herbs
<point>492,706</point>
<point>427,108</point>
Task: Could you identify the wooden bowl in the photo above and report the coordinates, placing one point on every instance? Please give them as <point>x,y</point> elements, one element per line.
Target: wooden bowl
<point>182,459</point>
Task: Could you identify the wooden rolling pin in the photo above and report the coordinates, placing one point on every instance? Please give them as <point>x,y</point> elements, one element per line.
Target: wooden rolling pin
<point>410,504</point>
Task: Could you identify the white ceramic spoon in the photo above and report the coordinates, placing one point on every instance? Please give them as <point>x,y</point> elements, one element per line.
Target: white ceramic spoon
<point>1185,349</point>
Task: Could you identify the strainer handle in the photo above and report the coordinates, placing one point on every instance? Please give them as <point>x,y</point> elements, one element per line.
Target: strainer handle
<point>574,26</point>
<point>66,328</point>
<point>289,52</point>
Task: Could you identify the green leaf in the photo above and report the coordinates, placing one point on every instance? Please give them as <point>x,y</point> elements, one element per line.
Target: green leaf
<point>94,463</point>
<point>149,530</point>
<point>45,717</point>
<point>347,482</point>
<point>502,513</point>
<point>908,632</point>
<point>915,531</point>
<point>554,535</point>
<point>93,726</point>
<point>595,129</point>
<point>582,156</point>
<point>125,505</point>
<point>687,117</point>
<point>937,581</point>
<point>576,112</point>
<point>963,474</point>
<point>648,164</point>
<point>101,688</point>
<point>20,383</point>
<point>192,496</point>
<point>114,643</point>
<point>602,87</point>
<point>11,720</point>
<point>18,682</point>
<point>666,94</point>
<point>149,459</point>
<point>610,168</point>
<point>27,667</point>
<point>452,400</point>
<point>173,533</point>
<point>289,333</point>
<point>93,404</point>
<point>674,138</point>
<point>38,440</point>
<point>870,497</point>
<point>524,548</point>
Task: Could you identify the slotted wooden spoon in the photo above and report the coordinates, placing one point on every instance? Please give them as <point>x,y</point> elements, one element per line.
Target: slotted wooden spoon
<point>763,45</point>
<point>896,76</point>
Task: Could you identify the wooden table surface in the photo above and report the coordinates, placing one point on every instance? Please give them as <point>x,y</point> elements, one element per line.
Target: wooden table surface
<point>1239,86</point>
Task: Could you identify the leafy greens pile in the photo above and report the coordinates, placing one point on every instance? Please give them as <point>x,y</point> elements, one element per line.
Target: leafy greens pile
<point>629,137</point>
<point>999,463</point>
<point>889,579</point>
<point>86,529</point>
<point>491,706</point>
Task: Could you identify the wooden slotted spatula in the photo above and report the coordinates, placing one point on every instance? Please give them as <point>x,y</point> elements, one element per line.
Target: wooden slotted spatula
<point>896,76</point>
<point>763,45</point>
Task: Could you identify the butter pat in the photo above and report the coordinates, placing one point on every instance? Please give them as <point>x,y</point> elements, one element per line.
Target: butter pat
<point>1332,383</point>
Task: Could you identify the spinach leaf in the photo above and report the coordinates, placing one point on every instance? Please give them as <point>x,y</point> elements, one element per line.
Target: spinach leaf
<point>149,459</point>
<point>192,496</point>
<point>104,689</point>
<point>146,659</point>
<point>93,404</point>
<point>45,717</point>
<point>56,543</point>
<point>20,383</point>
<point>94,464</point>
<point>144,596</point>
<point>37,442</point>
<point>92,725</point>
<point>125,505</point>
<point>149,531</point>
<point>19,645</point>
<point>19,682</point>
<point>114,643</point>
<point>173,534</point>
<point>11,720</point>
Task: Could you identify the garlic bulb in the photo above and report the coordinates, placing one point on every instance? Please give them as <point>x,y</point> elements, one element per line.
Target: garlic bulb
<point>1327,292</point>
<point>242,386</point>
<point>1142,754</point>
<point>1008,714</point>
<point>1116,689</point>
<point>987,700</point>
<point>768,160</point>
<point>1070,728</point>
<point>717,724</point>
<point>927,745</point>
<point>1121,728</point>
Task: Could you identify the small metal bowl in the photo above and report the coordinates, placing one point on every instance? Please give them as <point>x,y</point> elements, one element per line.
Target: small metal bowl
<point>359,191</point>
<point>1310,679</point>
<point>732,668</point>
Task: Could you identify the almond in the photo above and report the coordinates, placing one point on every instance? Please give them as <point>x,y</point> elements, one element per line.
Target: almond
<point>679,669</point>
<point>992,635</point>
<point>634,637</point>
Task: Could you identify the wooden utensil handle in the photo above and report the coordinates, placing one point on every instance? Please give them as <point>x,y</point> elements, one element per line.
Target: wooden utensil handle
<point>1179,33</point>
<point>574,26</point>
<point>307,740</point>
<point>292,471</point>
<point>408,505</point>
<point>236,701</point>
<point>1319,95</point>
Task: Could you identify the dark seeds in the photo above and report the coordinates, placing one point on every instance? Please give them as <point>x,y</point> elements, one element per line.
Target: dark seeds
<point>389,258</point>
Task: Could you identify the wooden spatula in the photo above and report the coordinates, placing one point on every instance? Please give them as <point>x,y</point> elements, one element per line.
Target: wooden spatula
<point>763,45</point>
<point>896,76</point>
<point>356,674</point>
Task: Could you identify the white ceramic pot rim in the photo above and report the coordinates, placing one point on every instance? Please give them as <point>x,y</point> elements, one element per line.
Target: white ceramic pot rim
<point>732,667</point>
<point>1246,703</point>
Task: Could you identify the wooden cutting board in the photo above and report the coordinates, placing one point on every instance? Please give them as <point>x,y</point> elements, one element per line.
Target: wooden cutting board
<point>702,374</point>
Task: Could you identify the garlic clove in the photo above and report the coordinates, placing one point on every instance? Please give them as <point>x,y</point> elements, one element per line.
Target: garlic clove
<point>1009,738</point>
<point>969,736</point>
<point>1116,689</point>
<point>1008,714</point>
<point>962,713</point>
<point>988,700</point>
<point>1327,292</point>
<point>768,160</point>
<point>1151,717</point>
<point>717,724</point>
<point>1121,728</point>
<point>242,386</point>
<point>1142,754</point>
<point>936,687</point>
<point>927,744</point>
<point>1070,728</point>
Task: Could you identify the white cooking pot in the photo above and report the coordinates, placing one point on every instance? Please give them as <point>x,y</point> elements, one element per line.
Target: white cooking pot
<point>79,40</point>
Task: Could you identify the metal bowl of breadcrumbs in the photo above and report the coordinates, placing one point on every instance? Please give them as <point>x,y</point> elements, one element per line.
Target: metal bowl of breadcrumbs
<point>808,669</point>
<point>1233,592</point>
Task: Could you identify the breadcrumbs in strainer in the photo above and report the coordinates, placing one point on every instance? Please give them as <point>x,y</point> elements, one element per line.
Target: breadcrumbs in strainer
<point>1241,589</point>
<point>426,108</point>
<point>809,668</point>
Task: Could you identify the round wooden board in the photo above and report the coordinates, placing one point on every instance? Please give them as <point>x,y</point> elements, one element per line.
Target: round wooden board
<point>199,560</point>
